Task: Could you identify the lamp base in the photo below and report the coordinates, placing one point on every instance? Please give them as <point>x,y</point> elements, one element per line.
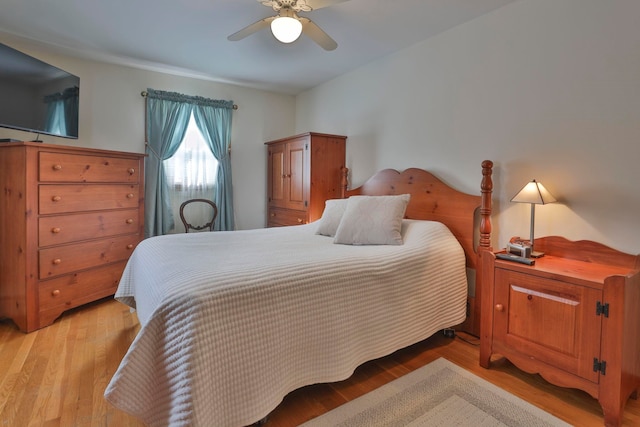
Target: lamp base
<point>536,254</point>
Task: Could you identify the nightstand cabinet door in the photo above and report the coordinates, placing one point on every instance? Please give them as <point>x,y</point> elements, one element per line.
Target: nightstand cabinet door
<point>549,320</point>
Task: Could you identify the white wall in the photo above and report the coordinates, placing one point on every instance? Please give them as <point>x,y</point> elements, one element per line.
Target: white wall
<point>547,89</point>
<point>112,117</point>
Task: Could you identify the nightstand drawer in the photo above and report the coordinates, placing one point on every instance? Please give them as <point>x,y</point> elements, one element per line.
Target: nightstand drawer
<point>82,168</point>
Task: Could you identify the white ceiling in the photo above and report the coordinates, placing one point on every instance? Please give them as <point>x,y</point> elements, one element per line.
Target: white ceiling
<point>189,37</point>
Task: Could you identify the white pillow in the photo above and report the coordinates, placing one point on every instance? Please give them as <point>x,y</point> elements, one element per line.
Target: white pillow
<point>372,220</point>
<point>331,216</point>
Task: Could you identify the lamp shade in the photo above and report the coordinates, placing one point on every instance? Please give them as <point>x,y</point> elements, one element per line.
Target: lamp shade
<point>534,193</point>
<point>286,29</point>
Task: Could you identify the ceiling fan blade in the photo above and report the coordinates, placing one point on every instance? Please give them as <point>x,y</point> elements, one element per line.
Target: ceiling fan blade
<point>315,33</point>
<point>253,28</point>
<point>319,4</point>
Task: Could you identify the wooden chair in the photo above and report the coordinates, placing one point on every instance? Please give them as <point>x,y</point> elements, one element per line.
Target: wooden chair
<point>209,224</point>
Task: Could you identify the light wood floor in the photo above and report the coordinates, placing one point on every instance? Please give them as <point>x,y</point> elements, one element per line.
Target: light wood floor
<point>56,376</point>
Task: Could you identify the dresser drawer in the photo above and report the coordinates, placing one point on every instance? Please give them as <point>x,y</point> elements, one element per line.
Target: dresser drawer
<point>82,168</point>
<point>53,230</point>
<point>77,197</point>
<point>65,292</point>
<point>65,259</point>
<point>284,217</point>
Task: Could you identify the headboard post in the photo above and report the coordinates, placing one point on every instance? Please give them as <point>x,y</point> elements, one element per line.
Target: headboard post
<point>344,183</point>
<point>484,275</point>
<point>486,188</point>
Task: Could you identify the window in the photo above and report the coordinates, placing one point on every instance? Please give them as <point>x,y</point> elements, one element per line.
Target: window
<point>191,171</point>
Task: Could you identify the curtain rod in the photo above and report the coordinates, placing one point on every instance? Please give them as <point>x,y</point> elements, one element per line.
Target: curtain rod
<point>144,94</point>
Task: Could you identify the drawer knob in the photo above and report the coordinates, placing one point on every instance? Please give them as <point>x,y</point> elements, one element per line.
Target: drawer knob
<point>499,307</point>
<point>130,196</point>
<point>273,214</point>
<point>57,261</point>
<point>299,220</point>
<point>131,171</point>
<point>55,230</point>
<point>56,198</point>
<point>129,246</point>
<point>55,292</point>
<point>57,167</point>
<point>129,221</point>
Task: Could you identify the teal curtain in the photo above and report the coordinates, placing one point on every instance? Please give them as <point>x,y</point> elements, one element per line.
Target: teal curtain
<point>214,121</point>
<point>167,118</point>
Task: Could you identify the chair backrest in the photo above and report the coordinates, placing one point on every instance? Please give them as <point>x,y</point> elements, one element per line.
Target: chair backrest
<point>209,225</point>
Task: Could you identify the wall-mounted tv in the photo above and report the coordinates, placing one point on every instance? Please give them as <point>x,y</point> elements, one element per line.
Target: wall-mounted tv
<point>37,97</point>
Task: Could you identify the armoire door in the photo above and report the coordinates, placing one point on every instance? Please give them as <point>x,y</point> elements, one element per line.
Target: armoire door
<point>297,174</point>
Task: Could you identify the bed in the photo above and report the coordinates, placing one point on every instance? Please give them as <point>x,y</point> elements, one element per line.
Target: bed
<point>233,321</point>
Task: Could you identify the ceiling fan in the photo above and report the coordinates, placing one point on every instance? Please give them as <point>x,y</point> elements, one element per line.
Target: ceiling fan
<point>287,26</point>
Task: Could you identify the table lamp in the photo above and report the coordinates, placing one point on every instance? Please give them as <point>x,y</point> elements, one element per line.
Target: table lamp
<point>535,194</point>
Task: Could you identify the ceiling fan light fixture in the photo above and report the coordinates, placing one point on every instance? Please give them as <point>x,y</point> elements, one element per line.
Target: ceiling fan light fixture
<point>286,29</point>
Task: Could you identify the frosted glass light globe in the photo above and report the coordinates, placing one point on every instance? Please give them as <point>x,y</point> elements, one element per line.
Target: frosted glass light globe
<point>286,29</point>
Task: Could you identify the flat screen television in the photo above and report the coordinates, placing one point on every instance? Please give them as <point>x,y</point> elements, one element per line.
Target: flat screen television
<point>37,97</point>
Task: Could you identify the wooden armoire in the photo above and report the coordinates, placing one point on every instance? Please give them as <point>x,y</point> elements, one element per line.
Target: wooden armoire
<point>303,171</point>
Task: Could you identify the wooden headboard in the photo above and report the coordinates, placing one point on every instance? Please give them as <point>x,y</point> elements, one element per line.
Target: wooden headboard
<point>432,199</point>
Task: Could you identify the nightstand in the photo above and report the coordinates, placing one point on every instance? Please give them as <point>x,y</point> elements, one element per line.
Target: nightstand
<point>573,317</point>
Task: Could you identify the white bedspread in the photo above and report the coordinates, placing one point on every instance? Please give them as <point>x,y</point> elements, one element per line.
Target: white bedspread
<point>233,321</point>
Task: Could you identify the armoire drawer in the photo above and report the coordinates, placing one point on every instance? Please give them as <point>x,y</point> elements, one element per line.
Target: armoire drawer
<point>284,217</point>
<point>58,229</point>
<point>59,260</point>
<point>78,198</point>
<point>82,168</point>
<point>65,292</point>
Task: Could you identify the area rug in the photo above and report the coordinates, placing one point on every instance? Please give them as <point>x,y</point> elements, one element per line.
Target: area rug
<point>438,394</point>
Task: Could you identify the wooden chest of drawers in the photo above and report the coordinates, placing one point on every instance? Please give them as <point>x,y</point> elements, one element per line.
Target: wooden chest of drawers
<point>71,218</point>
